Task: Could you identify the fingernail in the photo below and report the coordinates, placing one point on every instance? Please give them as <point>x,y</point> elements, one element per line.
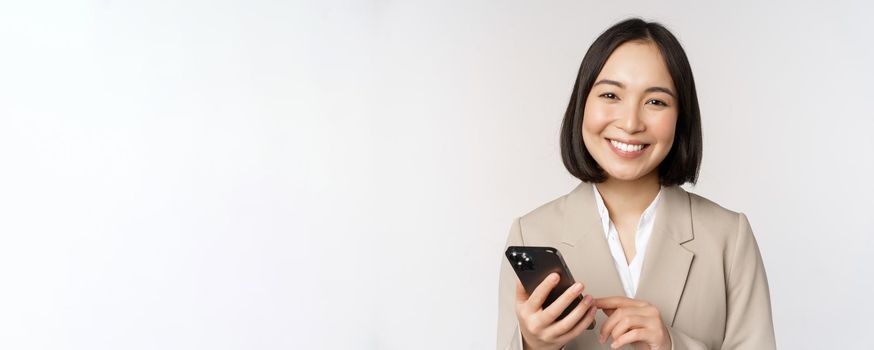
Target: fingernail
<point>553,277</point>
<point>576,288</point>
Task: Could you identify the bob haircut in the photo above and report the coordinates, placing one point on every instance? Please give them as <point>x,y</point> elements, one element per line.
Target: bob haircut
<point>684,159</point>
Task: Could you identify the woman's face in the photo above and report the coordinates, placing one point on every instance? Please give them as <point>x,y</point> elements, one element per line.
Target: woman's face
<point>631,112</point>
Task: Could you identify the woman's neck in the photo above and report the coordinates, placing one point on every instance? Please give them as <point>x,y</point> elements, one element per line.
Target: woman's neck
<point>624,198</point>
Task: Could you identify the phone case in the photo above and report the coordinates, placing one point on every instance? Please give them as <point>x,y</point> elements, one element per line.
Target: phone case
<point>534,264</point>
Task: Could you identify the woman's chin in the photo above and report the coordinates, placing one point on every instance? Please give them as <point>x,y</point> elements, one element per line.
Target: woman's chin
<point>625,178</point>
<point>625,175</point>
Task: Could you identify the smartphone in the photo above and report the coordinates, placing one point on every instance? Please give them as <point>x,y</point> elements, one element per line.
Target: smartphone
<point>534,264</point>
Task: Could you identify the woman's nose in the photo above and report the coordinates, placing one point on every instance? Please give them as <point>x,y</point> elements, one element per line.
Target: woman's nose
<point>630,121</point>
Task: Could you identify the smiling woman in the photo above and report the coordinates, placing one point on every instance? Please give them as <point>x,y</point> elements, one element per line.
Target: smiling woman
<point>667,268</point>
<point>638,72</point>
<point>631,111</point>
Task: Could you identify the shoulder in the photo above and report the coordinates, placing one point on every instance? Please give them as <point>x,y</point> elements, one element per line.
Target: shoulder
<point>557,220</point>
<point>712,221</point>
<point>704,208</point>
<point>547,215</point>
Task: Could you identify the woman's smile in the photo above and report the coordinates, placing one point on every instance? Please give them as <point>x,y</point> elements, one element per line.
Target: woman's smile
<point>627,149</point>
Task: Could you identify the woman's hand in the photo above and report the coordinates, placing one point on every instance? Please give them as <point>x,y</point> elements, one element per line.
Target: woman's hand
<point>539,327</point>
<point>632,321</point>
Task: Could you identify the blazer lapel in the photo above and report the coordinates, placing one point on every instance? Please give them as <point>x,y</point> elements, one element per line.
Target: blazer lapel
<point>666,263</point>
<point>588,257</point>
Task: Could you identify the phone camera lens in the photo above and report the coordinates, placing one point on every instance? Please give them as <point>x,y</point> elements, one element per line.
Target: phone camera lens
<point>523,260</point>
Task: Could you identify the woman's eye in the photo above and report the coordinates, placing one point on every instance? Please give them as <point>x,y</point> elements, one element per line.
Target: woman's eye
<point>657,102</point>
<point>609,95</point>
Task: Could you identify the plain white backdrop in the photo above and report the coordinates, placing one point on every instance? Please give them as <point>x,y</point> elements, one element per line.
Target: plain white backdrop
<point>342,175</point>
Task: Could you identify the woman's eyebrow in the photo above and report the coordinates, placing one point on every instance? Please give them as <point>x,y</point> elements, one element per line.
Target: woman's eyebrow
<point>660,89</point>
<point>649,89</point>
<point>611,82</point>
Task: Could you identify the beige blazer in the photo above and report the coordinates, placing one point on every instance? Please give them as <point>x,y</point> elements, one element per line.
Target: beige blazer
<point>702,270</point>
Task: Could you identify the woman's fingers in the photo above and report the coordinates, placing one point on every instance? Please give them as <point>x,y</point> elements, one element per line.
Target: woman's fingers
<point>561,303</point>
<point>626,324</point>
<point>581,326</point>
<point>632,336</point>
<point>610,304</point>
<point>614,319</point>
<point>608,325</point>
<point>617,302</point>
<point>535,302</point>
<point>572,319</point>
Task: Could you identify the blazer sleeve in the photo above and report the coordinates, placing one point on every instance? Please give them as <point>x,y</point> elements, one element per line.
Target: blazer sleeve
<point>749,324</point>
<point>509,337</point>
<point>748,320</point>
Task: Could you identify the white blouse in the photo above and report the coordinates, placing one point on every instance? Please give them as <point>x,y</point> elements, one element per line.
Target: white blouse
<point>628,273</point>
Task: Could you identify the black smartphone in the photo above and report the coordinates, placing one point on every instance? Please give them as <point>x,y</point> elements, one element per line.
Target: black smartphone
<point>534,264</point>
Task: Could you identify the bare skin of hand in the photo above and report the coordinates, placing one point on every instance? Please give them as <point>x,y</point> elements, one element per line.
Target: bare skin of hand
<point>632,321</point>
<point>539,327</point>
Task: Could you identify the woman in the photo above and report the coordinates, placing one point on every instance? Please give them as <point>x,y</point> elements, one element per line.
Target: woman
<point>668,269</point>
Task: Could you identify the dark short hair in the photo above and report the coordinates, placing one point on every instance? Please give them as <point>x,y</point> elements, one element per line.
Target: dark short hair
<point>684,159</point>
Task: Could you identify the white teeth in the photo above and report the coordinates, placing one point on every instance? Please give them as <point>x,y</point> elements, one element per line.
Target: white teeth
<point>626,147</point>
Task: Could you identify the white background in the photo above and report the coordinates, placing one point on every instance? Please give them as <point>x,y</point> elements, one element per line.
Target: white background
<point>342,175</point>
